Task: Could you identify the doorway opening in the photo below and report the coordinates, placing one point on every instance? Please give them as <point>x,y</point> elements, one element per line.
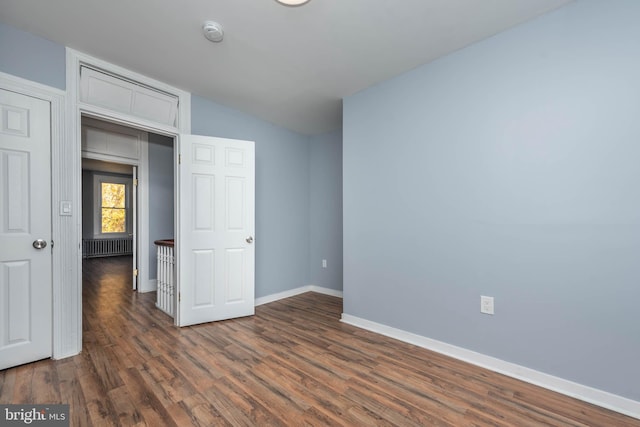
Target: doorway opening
<point>109,213</point>
<point>127,202</point>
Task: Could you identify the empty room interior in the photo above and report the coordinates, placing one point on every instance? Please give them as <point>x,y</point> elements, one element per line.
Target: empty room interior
<point>320,212</point>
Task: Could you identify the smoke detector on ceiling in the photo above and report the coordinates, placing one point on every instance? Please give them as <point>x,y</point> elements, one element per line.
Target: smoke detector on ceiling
<point>213,31</point>
<point>292,2</point>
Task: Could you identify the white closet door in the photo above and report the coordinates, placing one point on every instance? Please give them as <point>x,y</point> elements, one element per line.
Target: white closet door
<point>25,229</point>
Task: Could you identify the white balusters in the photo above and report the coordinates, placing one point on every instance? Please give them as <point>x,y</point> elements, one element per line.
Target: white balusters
<point>165,296</point>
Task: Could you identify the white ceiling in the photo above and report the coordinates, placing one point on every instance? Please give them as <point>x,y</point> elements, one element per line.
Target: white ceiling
<point>287,65</point>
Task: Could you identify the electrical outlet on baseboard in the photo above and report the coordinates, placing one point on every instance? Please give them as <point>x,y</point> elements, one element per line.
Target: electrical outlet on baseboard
<point>324,263</point>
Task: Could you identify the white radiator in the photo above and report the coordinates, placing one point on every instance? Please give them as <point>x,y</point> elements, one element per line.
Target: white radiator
<point>93,248</point>
<point>166,283</point>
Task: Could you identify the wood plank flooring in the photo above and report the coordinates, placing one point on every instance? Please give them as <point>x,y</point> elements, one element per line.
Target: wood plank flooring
<point>292,364</point>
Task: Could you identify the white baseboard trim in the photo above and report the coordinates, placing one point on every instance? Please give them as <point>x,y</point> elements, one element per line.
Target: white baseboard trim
<point>326,291</point>
<point>297,291</point>
<point>150,286</point>
<point>588,394</point>
<point>281,295</point>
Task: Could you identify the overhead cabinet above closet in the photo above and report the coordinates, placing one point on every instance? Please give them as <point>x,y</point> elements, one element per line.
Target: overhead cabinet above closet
<point>116,93</point>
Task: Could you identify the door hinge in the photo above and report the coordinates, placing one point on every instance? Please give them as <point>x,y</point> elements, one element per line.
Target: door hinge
<point>179,159</point>
<point>135,182</point>
<point>135,272</point>
<point>179,297</point>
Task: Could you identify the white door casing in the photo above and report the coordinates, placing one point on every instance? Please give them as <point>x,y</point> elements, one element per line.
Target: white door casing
<point>134,226</point>
<point>25,217</point>
<point>216,252</point>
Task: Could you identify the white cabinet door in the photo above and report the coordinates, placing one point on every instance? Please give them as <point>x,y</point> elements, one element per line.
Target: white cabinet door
<point>215,249</point>
<point>25,222</point>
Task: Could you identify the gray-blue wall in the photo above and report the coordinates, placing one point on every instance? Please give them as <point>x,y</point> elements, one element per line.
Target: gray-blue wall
<point>32,57</point>
<point>161,219</point>
<point>287,167</point>
<point>282,192</point>
<point>509,169</point>
<point>325,210</point>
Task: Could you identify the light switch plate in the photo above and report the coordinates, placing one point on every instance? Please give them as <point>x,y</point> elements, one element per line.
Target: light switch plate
<point>65,208</point>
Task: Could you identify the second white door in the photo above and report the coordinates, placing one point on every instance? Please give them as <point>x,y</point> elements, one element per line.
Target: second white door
<point>215,249</point>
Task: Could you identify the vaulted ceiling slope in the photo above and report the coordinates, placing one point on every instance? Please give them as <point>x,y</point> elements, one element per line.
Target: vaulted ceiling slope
<point>290,66</point>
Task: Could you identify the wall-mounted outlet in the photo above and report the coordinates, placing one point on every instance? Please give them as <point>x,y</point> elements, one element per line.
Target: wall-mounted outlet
<point>486,305</point>
<point>324,263</point>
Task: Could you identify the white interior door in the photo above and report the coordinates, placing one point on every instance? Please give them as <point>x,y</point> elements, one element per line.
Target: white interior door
<point>25,229</point>
<point>215,248</point>
<point>134,226</point>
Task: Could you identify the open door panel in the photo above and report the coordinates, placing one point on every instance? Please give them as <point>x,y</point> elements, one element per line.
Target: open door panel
<point>216,217</point>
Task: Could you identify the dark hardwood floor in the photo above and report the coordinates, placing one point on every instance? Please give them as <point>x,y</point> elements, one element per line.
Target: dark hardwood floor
<point>292,364</point>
